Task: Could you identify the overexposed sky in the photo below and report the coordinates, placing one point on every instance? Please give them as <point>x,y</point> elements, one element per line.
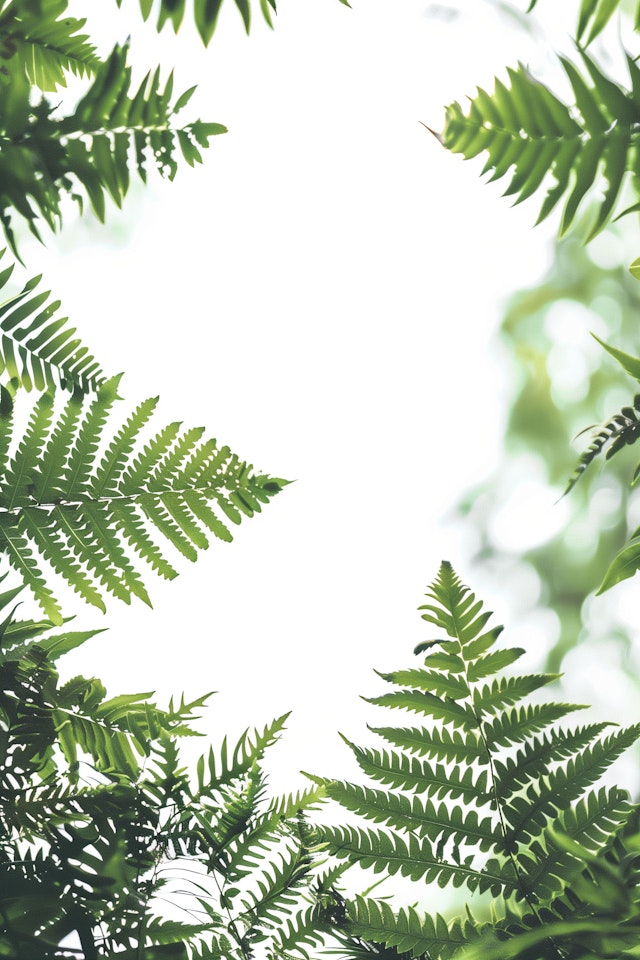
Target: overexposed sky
<point>321,295</point>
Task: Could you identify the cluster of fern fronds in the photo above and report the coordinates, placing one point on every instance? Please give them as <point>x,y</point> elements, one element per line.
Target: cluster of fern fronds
<point>101,826</point>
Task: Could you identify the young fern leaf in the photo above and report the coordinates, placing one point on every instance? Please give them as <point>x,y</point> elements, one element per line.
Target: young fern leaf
<point>526,129</point>
<point>113,129</point>
<point>473,796</point>
<point>91,517</point>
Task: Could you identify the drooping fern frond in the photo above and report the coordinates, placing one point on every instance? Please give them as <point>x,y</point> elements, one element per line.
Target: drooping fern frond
<point>594,16</point>
<point>472,797</point>
<point>38,349</point>
<point>88,514</point>
<point>205,13</point>
<point>529,133</point>
<point>91,153</point>
<point>41,41</point>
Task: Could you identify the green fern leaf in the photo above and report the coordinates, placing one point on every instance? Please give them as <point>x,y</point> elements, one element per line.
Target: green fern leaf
<point>215,772</point>
<point>516,725</point>
<point>593,822</point>
<point>38,351</point>
<point>535,757</point>
<point>528,815</point>
<point>484,811</point>
<point>622,429</point>
<point>205,14</point>
<point>525,128</point>
<point>90,152</point>
<point>406,931</point>
<point>409,773</point>
<point>90,517</point>
<point>441,743</point>
<point>439,823</point>
<point>414,859</point>
<point>44,43</point>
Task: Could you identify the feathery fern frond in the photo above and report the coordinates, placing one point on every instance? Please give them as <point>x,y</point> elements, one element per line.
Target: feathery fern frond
<point>481,813</point>
<point>88,516</point>
<point>205,14</point>
<point>113,130</point>
<point>43,43</point>
<point>526,129</point>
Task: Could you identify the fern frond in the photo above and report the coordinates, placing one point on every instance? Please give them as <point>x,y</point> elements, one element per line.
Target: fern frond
<point>389,853</point>
<point>37,350</point>
<point>528,814</point>
<point>215,772</point>
<point>277,886</point>
<point>44,43</point>
<point>514,726</point>
<point>205,14</point>
<point>423,818</point>
<point>292,804</point>
<point>113,130</point>
<point>89,517</point>
<point>409,773</point>
<point>593,822</point>
<point>482,813</point>
<point>595,15</point>
<point>535,757</point>
<point>524,126</point>
<point>407,931</point>
<point>441,743</point>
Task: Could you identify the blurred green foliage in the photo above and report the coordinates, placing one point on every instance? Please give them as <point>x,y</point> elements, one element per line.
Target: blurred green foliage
<point>561,382</point>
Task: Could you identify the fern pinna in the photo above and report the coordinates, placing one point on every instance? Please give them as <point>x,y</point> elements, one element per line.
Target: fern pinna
<point>473,797</point>
<point>87,511</point>
<point>526,131</point>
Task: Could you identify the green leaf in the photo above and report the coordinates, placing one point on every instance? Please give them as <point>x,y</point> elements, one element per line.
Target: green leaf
<point>626,361</point>
<point>90,517</point>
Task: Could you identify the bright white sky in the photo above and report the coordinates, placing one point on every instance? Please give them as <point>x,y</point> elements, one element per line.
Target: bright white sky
<point>321,295</point>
